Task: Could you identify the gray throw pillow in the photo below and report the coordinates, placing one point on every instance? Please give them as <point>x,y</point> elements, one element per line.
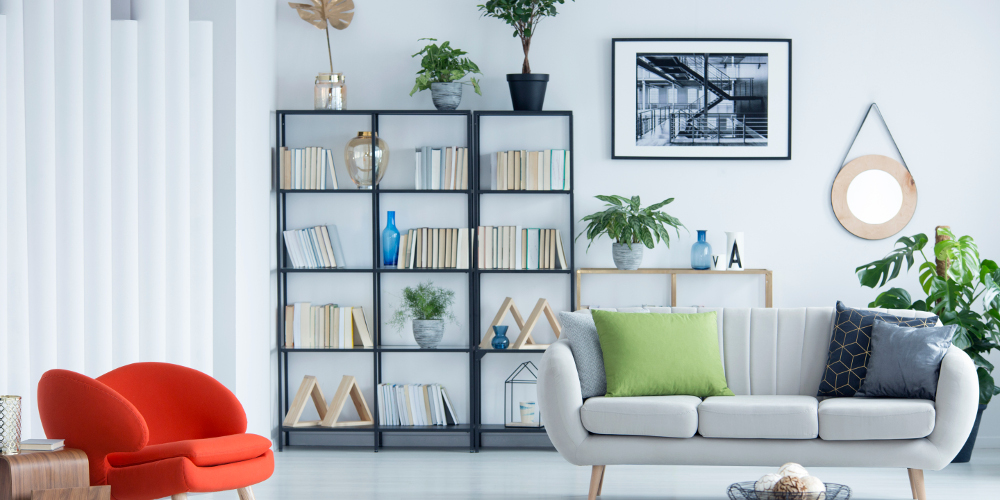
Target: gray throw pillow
<point>905,361</point>
<point>579,328</point>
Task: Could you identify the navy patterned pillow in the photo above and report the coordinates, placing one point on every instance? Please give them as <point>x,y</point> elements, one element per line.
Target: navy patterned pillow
<point>850,348</point>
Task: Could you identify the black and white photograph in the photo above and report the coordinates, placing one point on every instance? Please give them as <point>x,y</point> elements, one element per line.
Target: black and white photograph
<point>716,99</point>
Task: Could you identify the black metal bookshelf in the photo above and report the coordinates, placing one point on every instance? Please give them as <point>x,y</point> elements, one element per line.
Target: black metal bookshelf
<point>473,428</point>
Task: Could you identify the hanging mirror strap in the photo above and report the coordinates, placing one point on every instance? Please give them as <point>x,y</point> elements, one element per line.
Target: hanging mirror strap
<point>884,124</point>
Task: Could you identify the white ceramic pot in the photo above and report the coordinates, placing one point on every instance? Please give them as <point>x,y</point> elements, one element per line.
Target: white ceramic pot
<point>627,259</point>
<point>428,332</point>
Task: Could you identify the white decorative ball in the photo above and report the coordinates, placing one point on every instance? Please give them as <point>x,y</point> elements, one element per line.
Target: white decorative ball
<point>767,482</point>
<point>815,487</point>
<point>793,469</point>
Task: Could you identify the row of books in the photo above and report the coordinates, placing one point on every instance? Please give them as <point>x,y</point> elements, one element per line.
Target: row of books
<point>307,168</point>
<point>529,170</point>
<point>416,404</point>
<point>327,326</point>
<point>314,247</point>
<point>429,247</point>
<point>511,247</point>
<point>442,168</point>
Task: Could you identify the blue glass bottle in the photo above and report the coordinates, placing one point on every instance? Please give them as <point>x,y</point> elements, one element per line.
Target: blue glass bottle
<point>390,241</point>
<point>701,253</point>
<point>500,340</point>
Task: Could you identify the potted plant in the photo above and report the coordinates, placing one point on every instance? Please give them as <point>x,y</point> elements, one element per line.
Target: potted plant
<point>527,89</point>
<point>427,307</point>
<point>329,87</point>
<point>441,68</point>
<point>631,227</point>
<point>962,289</point>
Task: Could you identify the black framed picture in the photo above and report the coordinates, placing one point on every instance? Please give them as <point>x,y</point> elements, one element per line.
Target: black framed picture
<point>701,98</point>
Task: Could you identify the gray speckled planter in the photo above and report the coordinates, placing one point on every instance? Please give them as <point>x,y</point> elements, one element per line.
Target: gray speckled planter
<point>627,259</point>
<point>446,95</point>
<point>428,332</point>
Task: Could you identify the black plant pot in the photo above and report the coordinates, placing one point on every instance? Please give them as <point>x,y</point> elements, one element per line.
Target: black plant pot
<point>527,91</point>
<point>966,453</point>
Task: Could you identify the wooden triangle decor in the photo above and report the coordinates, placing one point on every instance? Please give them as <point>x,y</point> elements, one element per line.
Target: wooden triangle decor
<point>524,339</point>
<point>328,414</point>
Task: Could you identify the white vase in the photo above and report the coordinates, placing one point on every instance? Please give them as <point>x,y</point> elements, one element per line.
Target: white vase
<point>735,256</point>
<point>428,332</point>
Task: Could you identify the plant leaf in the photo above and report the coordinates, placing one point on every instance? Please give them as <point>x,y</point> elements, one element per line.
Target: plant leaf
<point>893,298</point>
<point>312,14</point>
<point>987,388</point>
<point>337,13</point>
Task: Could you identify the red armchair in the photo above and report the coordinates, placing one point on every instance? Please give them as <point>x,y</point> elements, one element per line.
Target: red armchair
<point>153,430</point>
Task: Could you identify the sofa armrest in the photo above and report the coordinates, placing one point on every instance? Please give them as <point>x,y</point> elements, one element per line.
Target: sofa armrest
<point>560,400</point>
<point>956,403</point>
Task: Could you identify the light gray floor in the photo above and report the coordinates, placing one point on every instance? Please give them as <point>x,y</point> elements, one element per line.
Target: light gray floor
<point>304,474</point>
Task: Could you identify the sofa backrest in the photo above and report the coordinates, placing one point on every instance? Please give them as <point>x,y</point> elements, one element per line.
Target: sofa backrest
<point>775,350</point>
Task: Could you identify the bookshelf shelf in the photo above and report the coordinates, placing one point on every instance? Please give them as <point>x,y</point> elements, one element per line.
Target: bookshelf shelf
<point>473,428</point>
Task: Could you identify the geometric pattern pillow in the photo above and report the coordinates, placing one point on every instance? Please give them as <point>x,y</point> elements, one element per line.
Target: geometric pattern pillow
<point>850,348</point>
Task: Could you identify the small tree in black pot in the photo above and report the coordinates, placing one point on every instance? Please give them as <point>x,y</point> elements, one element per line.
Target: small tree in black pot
<point>527,89</point>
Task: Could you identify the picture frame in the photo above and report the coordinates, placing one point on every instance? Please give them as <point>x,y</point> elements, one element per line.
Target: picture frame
<point>742,111</point>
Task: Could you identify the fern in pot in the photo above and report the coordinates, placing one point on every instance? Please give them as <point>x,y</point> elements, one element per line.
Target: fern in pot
<point>631,227</point>
<point>426,307</point>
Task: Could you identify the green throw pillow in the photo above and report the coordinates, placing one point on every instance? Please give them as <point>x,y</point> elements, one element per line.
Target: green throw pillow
<point>661,354</point>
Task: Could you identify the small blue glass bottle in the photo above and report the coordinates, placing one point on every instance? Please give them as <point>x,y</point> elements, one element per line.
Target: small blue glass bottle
<point>701,253</point>
<point>390,241</point>
<point>500,340</point>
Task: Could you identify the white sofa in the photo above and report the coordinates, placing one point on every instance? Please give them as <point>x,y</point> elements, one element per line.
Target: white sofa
<point>773,360</point>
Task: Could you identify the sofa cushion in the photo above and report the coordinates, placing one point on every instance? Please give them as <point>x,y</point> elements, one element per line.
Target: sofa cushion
<point>579,328</point>
<point>850,346</point>
<point>759,417</point>
<point>905,361</point>
<point>661,416</point>
<point>862,419</point>
<point>207,452</point>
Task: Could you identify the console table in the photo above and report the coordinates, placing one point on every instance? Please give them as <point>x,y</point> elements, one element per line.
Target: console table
<point>48,475</point>
<point>766,273</point>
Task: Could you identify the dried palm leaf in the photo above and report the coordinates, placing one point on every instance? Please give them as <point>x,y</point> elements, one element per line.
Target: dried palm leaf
<point>337,13</point>
<point>312,14</point>
<point>325,13</point>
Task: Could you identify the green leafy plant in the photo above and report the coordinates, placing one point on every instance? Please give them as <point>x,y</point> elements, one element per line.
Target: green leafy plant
<point>444,64</point>
<point>626,222</point>
<point>426,301</point>
<point>523,16</point>
<point>962,289</point>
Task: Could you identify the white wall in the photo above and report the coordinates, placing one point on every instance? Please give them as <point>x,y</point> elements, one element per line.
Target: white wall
<point>845,55</point>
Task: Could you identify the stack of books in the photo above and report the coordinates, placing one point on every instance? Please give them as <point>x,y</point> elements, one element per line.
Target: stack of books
<point>307,168</point>
<point>418,404</point>
<point>429,247</point>
<point>442,168</point>
<point>314,247</point>
<point>43,444</point>
<point>325,327</point>
<point>529,170</point>
<point>511,247</point>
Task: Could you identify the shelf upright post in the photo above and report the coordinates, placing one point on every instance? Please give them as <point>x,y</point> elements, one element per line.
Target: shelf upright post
<point>376,282</point>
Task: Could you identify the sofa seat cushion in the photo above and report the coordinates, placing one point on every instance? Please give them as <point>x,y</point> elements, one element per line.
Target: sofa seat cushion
<point>758,417</point>
<point>862,419</point>
<point>207,452</point>
<point>660,416</point>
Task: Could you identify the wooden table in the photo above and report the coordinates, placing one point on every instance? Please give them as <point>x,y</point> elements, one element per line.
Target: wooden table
<point>766,273</point>
<point>48,475</point>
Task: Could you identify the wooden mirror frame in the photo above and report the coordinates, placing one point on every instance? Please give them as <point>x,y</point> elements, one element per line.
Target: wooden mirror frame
<point>863,164</point>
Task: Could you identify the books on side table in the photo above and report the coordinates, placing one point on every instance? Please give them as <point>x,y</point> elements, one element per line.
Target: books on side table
<point>442,168</point>
<point>43,444</point>
<point>307,168</point>
<point>314,247</point>
<point>547,170</point>
<point>434,248</point>
<point>511,247</point>
<point>415,404</point>
<point>328,326</point>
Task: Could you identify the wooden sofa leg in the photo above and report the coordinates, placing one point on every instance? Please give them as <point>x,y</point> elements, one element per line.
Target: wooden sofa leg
<point>596,481</point>
<point>179,496</point>
<point>917,483</point>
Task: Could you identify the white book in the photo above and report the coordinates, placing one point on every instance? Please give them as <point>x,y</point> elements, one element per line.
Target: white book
<point>439,404</point>
<point>456,178</point>
<point>558,166</point>
<point>401,405</point>
<point>381,405</point>
<point>449,409</point>
<point>42,444</point>
<point>299,324</point>
<point>490,247</point>
<point>462,253</point>
<point>338,250</point>
<point>306,250</point>
<point>533,248</point>
<point>435,169</point>
<point>418,181</point>
<point>491,160</point>
<point>419,389</point>
<point>567,168</point>
<point>322,168</point>
<point>290,248</point>
<point>433,407</point>
<point>332,174</point>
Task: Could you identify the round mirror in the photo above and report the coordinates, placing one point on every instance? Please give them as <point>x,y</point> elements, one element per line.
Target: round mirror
<point>874,197</point>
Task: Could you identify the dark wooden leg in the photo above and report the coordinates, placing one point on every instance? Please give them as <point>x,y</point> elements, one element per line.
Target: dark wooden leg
<point>917,483</point>
<point>596,481</point>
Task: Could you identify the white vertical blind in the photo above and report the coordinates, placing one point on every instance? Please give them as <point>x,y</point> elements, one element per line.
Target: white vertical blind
<point>202,153</point>
<point>68,176</point>
<point>109,227</point>
<point>97,191</point>
<point>39,129</point>
<point>125,186</point>
<point>151,15</point>
<point>178,182</point>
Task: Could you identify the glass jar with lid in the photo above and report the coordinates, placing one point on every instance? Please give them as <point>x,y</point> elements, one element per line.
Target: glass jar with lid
<point>329,91</point>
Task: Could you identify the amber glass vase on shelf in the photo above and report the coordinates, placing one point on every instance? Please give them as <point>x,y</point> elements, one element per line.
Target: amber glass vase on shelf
<point>364,166</point>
